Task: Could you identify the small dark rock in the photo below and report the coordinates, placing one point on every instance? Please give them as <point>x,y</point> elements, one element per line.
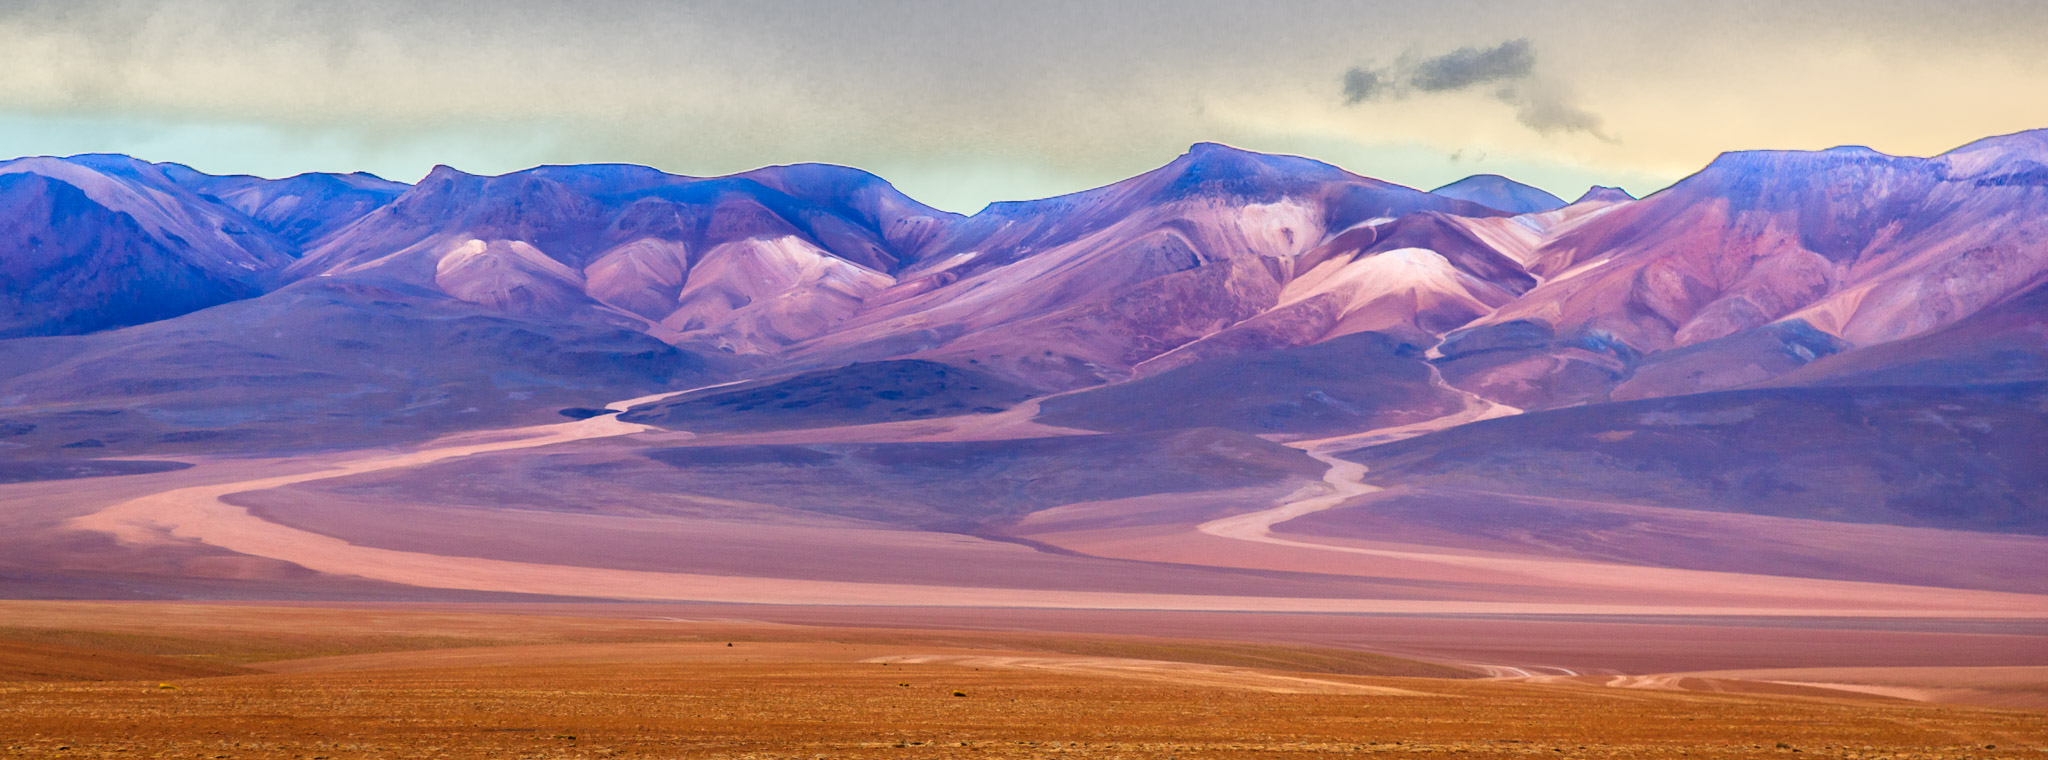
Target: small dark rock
<point>188,436</point>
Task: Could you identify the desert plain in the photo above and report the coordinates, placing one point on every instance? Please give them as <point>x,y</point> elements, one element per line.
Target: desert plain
<point>412,680</point>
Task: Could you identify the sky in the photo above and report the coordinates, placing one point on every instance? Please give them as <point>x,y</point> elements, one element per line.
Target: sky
<point>965,102</point>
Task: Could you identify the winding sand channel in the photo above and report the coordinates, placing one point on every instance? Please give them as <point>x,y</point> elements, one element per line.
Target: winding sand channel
<point>198,514</point>
<point>1342,482</point>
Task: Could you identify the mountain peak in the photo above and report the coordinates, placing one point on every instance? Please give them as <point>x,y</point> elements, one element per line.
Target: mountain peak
<point>1206,153</point>
<point>1214,168</point>
<point>1207,148</point>
<point>119,164</point>
<point>2016,158</point>
<point>1604,194</point>
<point>2033,141</point>
<point>1773,161</point>
<point>445,173</point>
<point>106,159</point>
<point>358,179</point>
<point>811,179</point>
<point>1500,193</point>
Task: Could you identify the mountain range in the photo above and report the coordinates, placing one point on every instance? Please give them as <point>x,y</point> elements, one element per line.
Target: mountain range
<point>1840,335</point>
<point>1750,269</point>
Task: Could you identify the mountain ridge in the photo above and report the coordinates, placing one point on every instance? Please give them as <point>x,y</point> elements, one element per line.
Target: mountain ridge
<point>1761,262</point>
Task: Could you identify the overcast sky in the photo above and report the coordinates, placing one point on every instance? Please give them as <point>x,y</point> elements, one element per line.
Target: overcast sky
<point>964,102</point>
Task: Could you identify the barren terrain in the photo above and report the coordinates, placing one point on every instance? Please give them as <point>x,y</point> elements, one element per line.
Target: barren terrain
<point>268,681</point>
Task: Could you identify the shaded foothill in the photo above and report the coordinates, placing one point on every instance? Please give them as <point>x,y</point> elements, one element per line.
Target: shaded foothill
<point>1692,539</point>
<point>861,393</point>
<point>1965,458</point>
<point>325,363</point>
<point>1356,382</point>
<point>31,470</point>
<point>955,485</point>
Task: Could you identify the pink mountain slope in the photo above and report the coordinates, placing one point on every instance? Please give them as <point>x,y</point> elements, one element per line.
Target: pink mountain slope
<point>745,264</point>
<point>1079,289</point>
<point>1859,246</point>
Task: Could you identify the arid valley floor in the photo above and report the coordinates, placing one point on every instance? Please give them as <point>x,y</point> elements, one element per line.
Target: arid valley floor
<point>183,680</point>
<point>872,642</point>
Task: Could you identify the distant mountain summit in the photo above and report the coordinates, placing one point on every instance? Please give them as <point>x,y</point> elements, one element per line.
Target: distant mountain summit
<point>1498,192</point>
<point>302,209</point>
<point>1604,194</point>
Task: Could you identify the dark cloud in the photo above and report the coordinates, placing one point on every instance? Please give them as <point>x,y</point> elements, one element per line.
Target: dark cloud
<point>1460,69</point>
<point>1510,67</point>
<point>1363,84</point>
<point>1466,67</point>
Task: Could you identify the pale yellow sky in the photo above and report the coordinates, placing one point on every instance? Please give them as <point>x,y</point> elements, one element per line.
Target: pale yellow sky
<point>966,102</point>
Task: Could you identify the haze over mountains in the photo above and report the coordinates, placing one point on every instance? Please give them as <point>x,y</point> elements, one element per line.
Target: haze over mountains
<point>1838,338</point>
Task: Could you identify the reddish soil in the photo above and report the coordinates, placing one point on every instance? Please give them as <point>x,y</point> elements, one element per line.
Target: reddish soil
<point>357,683</point>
